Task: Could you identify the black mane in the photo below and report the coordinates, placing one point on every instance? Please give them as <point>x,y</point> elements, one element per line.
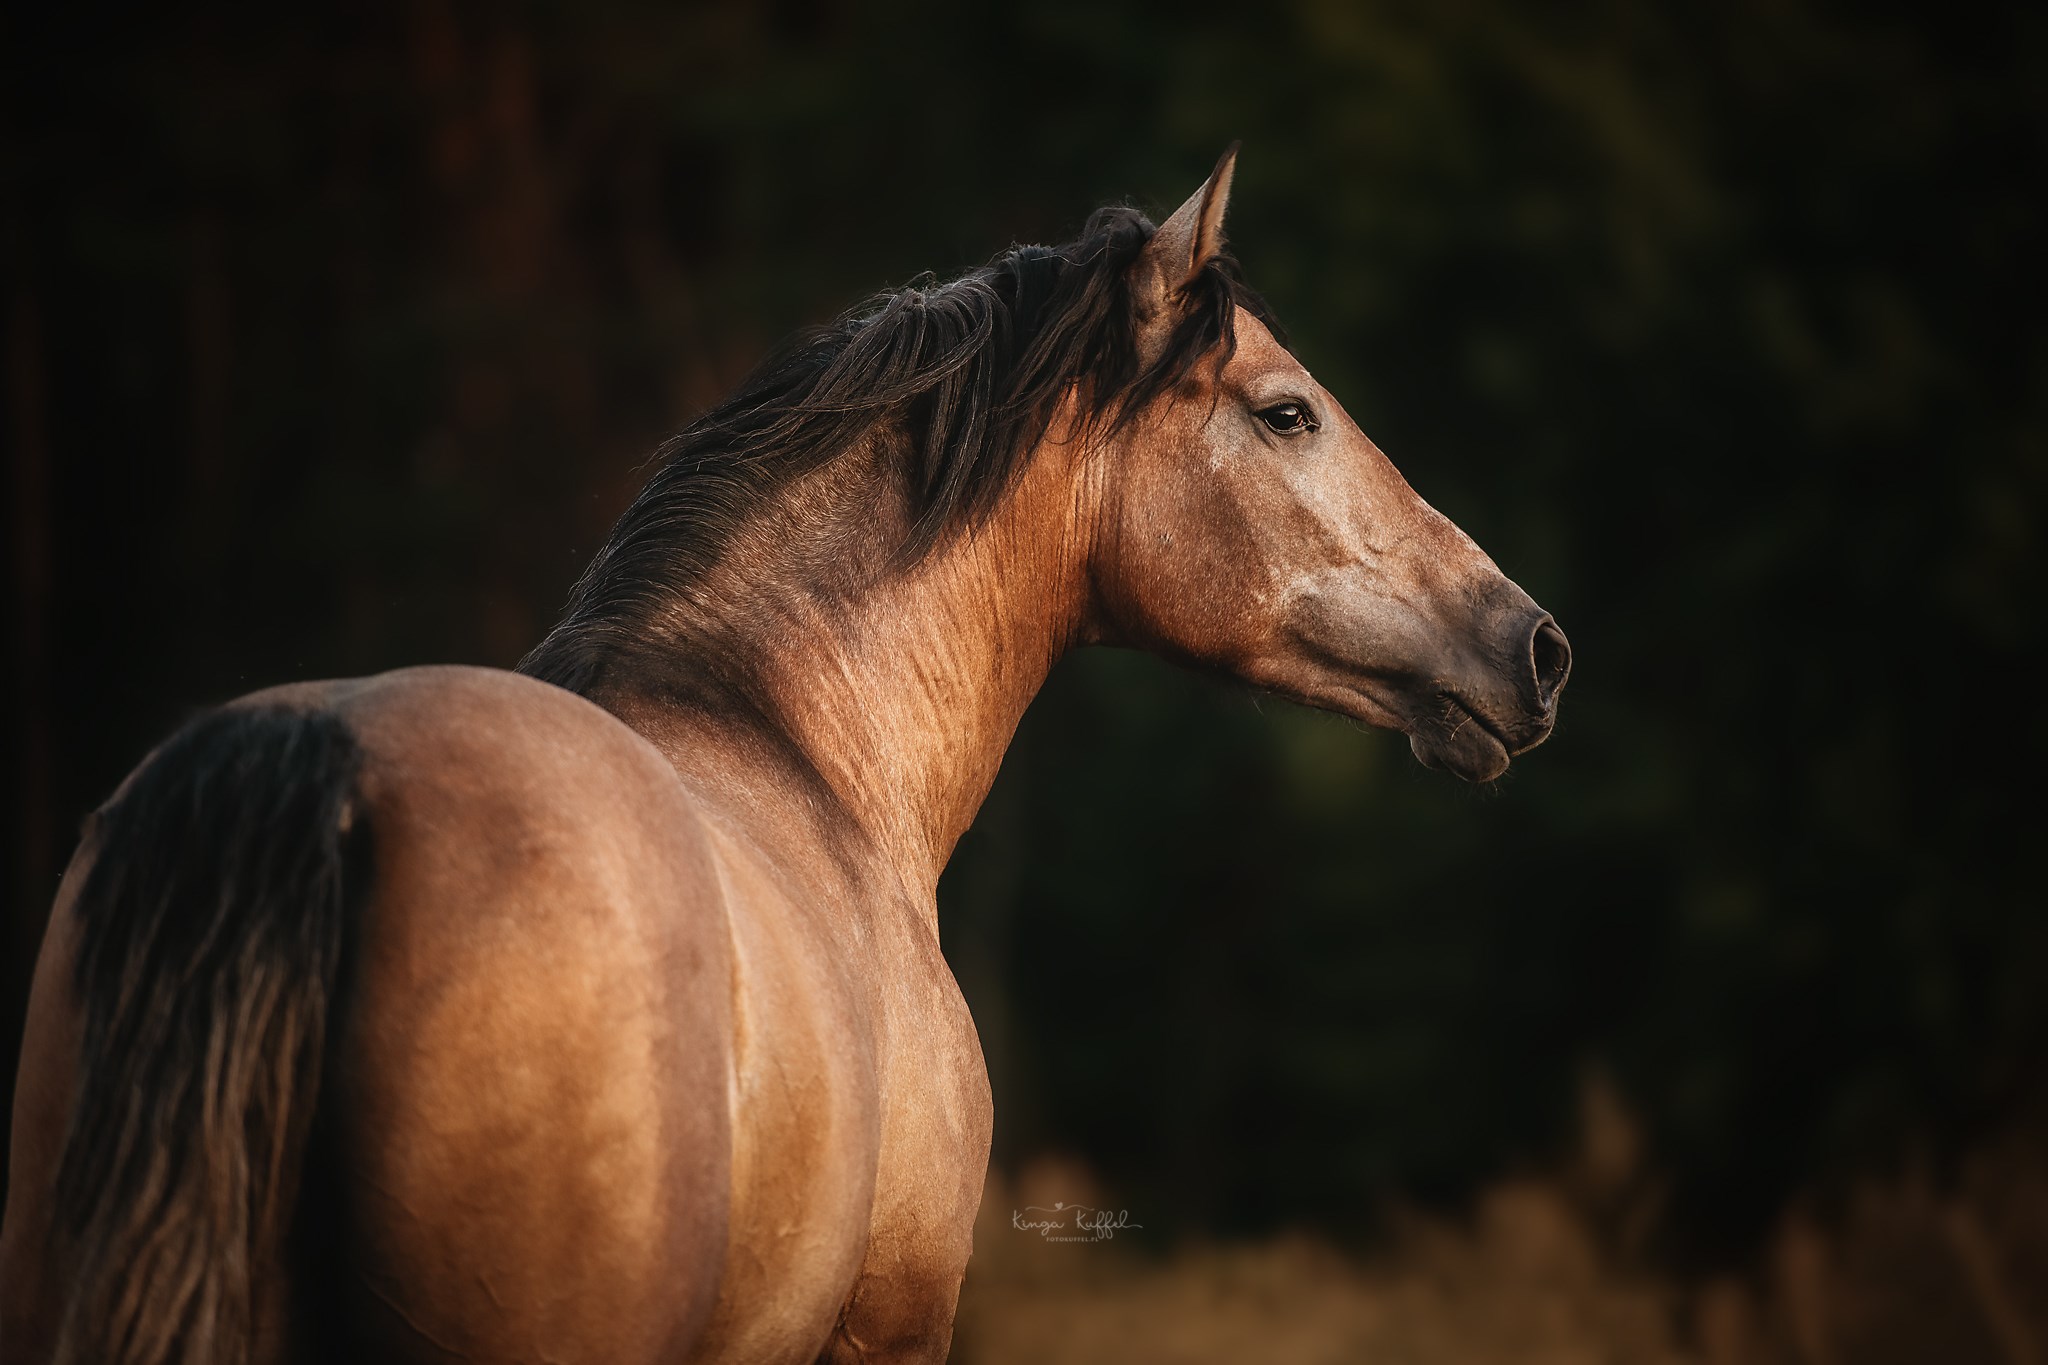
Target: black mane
<point>968,373</point>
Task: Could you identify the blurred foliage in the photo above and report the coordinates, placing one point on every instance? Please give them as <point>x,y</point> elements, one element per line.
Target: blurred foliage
<point>336,334</point>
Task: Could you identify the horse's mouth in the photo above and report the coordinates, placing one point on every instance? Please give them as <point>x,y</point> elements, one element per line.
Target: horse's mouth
<point>1444,729</point>
<point>1462,741</point>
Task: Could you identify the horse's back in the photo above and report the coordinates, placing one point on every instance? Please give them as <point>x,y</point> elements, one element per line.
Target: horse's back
<point>521,1141</point>
<point>528,1123</point>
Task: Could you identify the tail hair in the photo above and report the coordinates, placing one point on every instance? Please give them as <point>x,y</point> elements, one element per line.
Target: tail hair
<point>211,933</point>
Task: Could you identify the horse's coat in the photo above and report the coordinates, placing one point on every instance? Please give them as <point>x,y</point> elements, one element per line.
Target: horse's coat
<point>642,1048</point>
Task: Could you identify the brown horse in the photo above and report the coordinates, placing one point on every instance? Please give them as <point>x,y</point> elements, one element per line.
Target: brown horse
<point>595,1012</point>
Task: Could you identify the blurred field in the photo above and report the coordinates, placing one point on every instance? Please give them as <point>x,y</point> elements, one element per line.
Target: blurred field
<point>1545,1269</point>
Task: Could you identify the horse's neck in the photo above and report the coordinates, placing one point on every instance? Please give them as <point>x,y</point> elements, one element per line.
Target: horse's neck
<point>883,718</point>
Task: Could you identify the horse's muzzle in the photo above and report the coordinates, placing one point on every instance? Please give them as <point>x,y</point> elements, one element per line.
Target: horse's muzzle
<point>1498,710</point>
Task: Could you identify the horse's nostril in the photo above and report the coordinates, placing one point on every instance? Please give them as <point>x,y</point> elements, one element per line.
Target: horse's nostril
<point>1550,655</point>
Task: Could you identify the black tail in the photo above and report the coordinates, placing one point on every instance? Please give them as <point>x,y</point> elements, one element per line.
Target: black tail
<point>210,940</point>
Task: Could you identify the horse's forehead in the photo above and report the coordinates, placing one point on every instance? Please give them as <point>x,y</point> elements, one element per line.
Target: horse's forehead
<point>1256,347</point>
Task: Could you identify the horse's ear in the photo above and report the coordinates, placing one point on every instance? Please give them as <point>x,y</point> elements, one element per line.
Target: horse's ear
<point>1185,242</point>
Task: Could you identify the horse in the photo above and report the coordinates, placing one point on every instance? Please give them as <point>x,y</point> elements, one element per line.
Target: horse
<point>595,1011</point>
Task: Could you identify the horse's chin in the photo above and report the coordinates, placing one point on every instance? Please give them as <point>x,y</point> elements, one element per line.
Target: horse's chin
<point>1469,751</point>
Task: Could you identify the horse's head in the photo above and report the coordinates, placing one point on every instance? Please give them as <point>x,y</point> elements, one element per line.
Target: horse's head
<point>1249,525</point>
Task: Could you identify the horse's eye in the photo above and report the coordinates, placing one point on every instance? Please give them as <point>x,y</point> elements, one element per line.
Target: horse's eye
<point>1289,419</point>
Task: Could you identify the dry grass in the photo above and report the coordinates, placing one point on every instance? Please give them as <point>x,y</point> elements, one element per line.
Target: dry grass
<point>1545,1272</point>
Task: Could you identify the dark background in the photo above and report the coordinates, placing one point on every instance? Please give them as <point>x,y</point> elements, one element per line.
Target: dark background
<point>335,333</point>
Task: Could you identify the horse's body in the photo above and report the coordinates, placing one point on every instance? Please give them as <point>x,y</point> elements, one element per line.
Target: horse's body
<point>633,1041</point>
